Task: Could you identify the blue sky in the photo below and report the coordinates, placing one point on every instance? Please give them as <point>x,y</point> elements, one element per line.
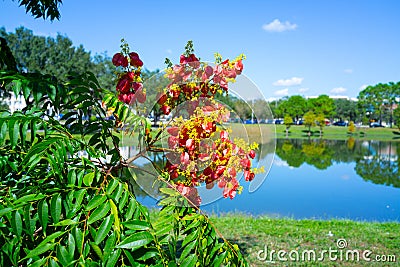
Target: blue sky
<point>305,47</point>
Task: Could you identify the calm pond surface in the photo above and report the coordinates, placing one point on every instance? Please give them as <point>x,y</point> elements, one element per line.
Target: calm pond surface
<point>323,179</point>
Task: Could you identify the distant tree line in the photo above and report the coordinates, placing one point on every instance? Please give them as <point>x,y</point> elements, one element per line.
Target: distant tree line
<point>56,56</point>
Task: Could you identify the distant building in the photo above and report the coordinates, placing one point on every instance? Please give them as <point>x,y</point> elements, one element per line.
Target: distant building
<point>15,103</point>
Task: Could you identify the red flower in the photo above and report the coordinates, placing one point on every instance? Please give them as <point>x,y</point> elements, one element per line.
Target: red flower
<point>123,85</point>
<point>224,136</point>
<point>166,109</point>
<point>238,67</point>
<point>140,95</point>
<point>119,60</point>
<point>190,193</point>
<point>174,131</point>
<point>248,175</point>
<point>190,144</point>
<point>246,163</point>
<point>252,154</point>
<point>131,75</point>
<point>127,98</point>
<point>231,188</point>
<point>137,86</point>
<point>135,60</point>
<point>161,98</point>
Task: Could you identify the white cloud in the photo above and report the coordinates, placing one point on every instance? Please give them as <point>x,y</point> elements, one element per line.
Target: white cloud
<point>362,87</point>
<point>277,26</point>
<point>169,51</point>
<point>338,90</point>
<point>303,90</point>
<point>283,92</point>
<point>289,82</point>
<point>348,71</point>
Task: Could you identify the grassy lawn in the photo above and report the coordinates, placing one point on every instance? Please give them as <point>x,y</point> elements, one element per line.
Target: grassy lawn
<point>253,234</point>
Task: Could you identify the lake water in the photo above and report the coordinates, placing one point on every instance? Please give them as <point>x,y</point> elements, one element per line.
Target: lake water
<point>323,179</point>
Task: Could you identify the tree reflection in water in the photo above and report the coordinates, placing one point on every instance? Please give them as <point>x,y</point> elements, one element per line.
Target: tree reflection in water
<point>377,162</point>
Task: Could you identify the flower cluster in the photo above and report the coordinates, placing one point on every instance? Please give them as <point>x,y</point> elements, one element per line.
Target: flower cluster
<point>196,156</point>
<point>199,150</point>
<point>192,79</point>
<point>129,85</point>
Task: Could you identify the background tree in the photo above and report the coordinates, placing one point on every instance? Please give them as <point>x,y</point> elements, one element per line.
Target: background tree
<point>295,106</point>
<point>320,119</point>
<point>396,116</point>
<point>352,127</point>
<point>56,56</point>
<point>345,109</point>
<point>309,120</point>
<point>323,104</point>
<point>288,121</point>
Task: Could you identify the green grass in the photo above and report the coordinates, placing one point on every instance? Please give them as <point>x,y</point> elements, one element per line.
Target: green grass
<point>253,234</point>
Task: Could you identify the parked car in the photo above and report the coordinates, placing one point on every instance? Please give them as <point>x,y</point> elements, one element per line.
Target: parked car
<point>375,125</point>
<point>340,123</point>
<point>278,121</point>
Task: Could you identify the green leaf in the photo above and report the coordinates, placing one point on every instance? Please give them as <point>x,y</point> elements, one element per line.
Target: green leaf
<point>114,211</point>
<point>39,250</point>
<point>218,260</point>
<point>99,213</point>
<point>16,223</point>
<point>71,245</point>
<point>30,198</point>
<point>95,202</point>
<point>55,208</point>
<point>97,250</point>
<point>38,263</point>
<point>114,258</point>
<point>52,237</point>
<point>111,186</point>
<point>187,250</point>
<point>123,200</point>
<point>13,132</point>
<point>189,238</point>
<point>3,132</point>
<point>110,243</point>
<point>65,222</point>
<point>88,179</point>
<point>170,191</point>
<point>117,194</point>
<point>43,211</point>
<point>131,209</point>
<point>136,240</point>
<point>137,225</point>
<point>5,211</point>
<point>104,229</point>
<point>190,261</point>
<point>63,256</point>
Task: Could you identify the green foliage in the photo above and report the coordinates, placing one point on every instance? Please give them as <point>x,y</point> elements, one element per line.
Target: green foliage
<point>42,9</point>
<point>309,120</point>
<point>295,106</point>
<point>288,121</point>
<point>379,101</point>
<point>396,116</point>
<point>351,127</point>
<point>56,56</point>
